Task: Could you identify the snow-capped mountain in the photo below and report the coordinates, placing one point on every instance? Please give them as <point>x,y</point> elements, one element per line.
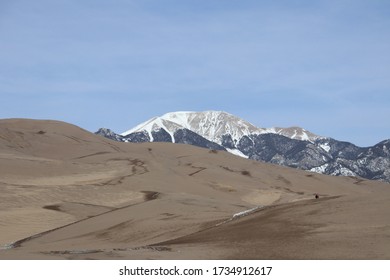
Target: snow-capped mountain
<point>293,147</point>
<point>214,126</point>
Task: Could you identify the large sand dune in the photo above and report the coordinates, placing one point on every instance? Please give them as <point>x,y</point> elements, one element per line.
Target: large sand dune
<point>66,193</point>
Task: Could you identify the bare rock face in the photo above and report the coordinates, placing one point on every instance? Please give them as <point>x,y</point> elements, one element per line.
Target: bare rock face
<point>108,133</point>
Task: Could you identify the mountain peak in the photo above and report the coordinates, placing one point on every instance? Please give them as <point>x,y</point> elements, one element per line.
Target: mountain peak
<point>213,125</point>
<point>210,124</point>
<point>298,133</point>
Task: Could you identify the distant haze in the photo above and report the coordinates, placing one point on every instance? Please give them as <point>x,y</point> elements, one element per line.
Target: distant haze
<point>320,65</point>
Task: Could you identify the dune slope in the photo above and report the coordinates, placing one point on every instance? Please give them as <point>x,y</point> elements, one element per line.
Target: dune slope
<point>69,194</point>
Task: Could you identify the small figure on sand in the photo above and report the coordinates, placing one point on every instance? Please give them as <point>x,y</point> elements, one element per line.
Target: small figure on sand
<point>316,196</point>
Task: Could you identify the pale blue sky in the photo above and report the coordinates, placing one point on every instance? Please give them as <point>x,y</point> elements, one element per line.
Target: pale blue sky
<point>321,65</point>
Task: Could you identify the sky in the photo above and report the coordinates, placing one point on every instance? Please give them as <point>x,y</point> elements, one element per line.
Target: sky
<point>320,65</point>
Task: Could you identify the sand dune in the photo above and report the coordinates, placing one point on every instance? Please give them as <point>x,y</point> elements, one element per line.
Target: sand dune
<point>69,194</point>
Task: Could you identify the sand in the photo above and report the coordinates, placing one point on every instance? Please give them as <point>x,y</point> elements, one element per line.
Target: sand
<point>68,194</point>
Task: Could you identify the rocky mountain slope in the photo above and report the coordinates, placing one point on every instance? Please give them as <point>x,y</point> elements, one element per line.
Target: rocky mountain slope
<point>293,147</point>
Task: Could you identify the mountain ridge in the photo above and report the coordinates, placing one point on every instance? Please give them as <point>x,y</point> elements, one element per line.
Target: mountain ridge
<point>292,147</point>
<point>214,124</point>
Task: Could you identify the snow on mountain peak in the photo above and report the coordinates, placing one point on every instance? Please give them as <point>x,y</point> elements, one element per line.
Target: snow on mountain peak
<point>297,133</point>
<point>212,125</point>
